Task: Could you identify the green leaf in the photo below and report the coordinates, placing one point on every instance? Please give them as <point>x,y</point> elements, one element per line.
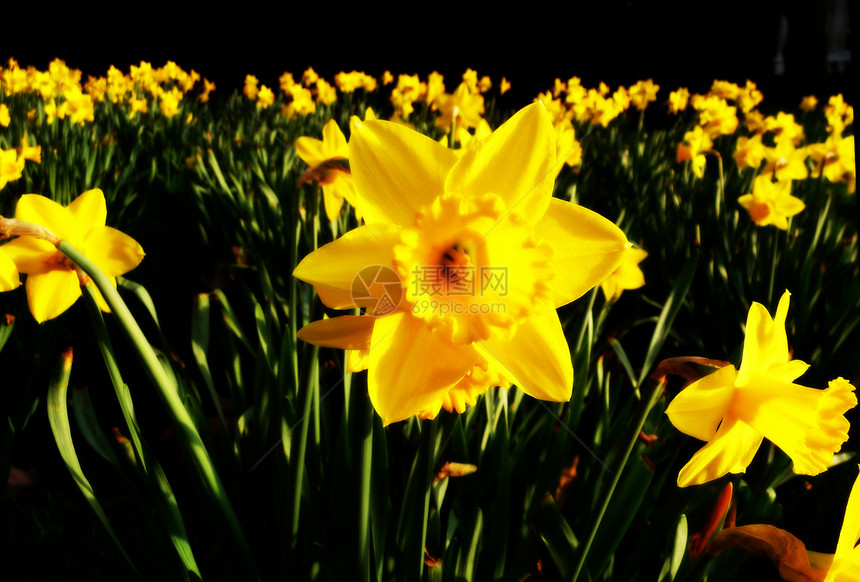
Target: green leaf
<point>667,316</point>
<point>558,537</point>
<point>58,417</point>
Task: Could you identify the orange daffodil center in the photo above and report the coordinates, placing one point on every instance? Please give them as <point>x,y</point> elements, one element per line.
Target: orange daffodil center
<point>484,254</point>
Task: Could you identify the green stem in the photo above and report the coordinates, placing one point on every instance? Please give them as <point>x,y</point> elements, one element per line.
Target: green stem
<point>430,451</point>
<point>364,487</point>
<point>166,388</point>
<point>585,318</point>
<point>615,469</point>
<point>311,383</point>
<point>773,261</point>
<point>114,373</point>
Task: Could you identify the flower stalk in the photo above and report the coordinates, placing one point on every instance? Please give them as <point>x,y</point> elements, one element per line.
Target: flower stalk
<point>167,390</point>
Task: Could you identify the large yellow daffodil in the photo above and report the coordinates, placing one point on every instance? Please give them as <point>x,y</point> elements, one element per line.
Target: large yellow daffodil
<point>483,255</point>
<point>735,409</point>
<point>52,283</point>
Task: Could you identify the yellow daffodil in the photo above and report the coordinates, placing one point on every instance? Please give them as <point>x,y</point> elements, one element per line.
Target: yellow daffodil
<point>168,101</point>
<point>716,116</point>
<point>463,107</point>
<point>265,97</point>
<point>678,100</point>
<point>697,144</point>
<point>329,168</point>
<point>754,121</point>
<point>567,148</point>
<point>749,97</point>
<point>725,89</point>
<point>734,410</point>
<point>771,202</point>
<point>11,166</point>
<point>785,161</point>
<point>326,93</point>
<point>643,93</point>
<point>408,90</point>
<point>628,275</point>
<point>749,152</point>
<point>309,77</point>
<point>250,89</point>
<point>349,82</point>
<point>809,103</point>
<point>838,113</point>
<point>461,264</point>
<point>208,87</point>
<point>5,118</point>
<point>302,102</point>
<point>137,106</point>
<point>835,159</point>
<point>784,127</point>
<point>28,152</point>
<point>52,284</point>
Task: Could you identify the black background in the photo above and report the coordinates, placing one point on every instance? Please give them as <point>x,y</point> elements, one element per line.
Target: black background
<point>620,42</point>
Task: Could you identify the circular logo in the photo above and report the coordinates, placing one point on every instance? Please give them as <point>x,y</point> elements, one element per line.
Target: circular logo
<point>378,289</point>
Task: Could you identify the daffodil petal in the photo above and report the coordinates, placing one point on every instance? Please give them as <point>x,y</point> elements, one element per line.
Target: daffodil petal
<point>51,293</point>
<point>332,268</point>
<point>588,248</point>
<point>789,206</point>
<point>730,451</point>
<point>310,150</point>
<point>113,251</point>
<point>410,368</point>
<point>30,255</point>
<point>345,332</point>
<point>396,170</point>
<point>699,408</point>
<point>334,140</point>
<point>9,278</point>
<point>516,162</point>
<point>766,343</point>
<point>332,203</point>
<point>846,553</point>
<point>99,298</point>
<point>45,212</point>
<point>537,358</point>
<point>89,210</point>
